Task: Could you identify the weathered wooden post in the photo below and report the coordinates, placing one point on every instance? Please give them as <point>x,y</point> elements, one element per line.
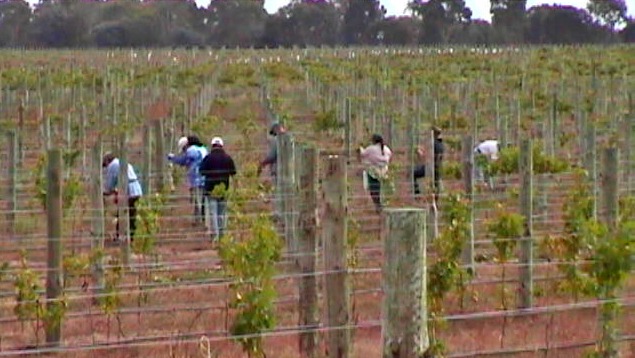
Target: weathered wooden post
<point>347,128</point>
<point>20,133</point>
<point>307,247</point>
<point>147,160</point>
<point>434,185</point>
<point>159,153</point>
<point>98,221</point>
<point>526,206</point>
<point>122,202</point>
<point>13,152</point>
<point>626,151</point>
<point>590,162</point>
<point>334,239</point>
<point>468,184</point>
<point>54,212</point>
<point>405,317</point>
<point>608,215</point>
<point>609,182</point>
<point>286,187</point>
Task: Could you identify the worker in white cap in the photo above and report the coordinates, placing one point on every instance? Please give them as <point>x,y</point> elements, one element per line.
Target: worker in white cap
<point>217,168</point>
<point>485,153</point>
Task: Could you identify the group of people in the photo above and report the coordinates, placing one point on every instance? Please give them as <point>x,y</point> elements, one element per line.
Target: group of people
<point>209,173</point>
<point>376,159</point>
<point>208,177</point>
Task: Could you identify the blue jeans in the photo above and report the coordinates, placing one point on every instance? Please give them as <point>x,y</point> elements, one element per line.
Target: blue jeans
<point>216,218</point>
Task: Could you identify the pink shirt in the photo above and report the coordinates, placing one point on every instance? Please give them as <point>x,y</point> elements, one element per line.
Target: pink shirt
<point>373,158</point>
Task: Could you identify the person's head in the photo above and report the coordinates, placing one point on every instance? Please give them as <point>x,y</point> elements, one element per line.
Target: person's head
<point>194,140</point>
<point>276,128</point>
<point>217,142</point>
<point>378,139</point>
<point>108,158</point>
<point>436,131</point>
<point>182,143</point>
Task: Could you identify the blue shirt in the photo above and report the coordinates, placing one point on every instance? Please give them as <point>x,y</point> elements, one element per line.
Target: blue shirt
<point>112,178</point>
<point>192,158</point>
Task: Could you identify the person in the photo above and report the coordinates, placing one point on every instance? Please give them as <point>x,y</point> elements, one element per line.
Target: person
<point>192,152</point>
<point>419,171</point>
<point>272,155</point>
<point>217,168</point>
<point>486,151</point>
<point>111,163</point>
<point>375,158</point>
<point>271,160</point>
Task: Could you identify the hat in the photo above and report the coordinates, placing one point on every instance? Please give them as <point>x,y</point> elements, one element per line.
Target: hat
<point>182,143</point>
<point>217,141</point>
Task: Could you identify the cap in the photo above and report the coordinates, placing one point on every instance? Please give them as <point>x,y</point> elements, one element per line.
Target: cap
<point>217,141</point>
<point>182,143</point>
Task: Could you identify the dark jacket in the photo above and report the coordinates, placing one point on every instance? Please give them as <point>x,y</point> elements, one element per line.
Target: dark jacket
<point>217,167</point>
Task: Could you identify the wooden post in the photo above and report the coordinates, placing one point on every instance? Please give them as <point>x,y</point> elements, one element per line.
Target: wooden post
<point>98,221</point>
<point>309,316</point>
<point>347,128</point>
<point>609,212</point>
<point>526,206</point>
<point>432,217</point>
<point>20,133</point>
<point>610,187</point>
<point>122,200</point>
<point>159,153</point>
<point>334,238</point>
<point>590,162</point>
<point>626,152</point>
<point>286,186</point>
<point>13,152</point>
<point>404,326</point>
<point>54,234</point>
<point>147,160</point>
<point>468,183</point>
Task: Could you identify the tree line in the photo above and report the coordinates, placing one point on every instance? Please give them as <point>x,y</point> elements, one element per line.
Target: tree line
<point>304,23</point>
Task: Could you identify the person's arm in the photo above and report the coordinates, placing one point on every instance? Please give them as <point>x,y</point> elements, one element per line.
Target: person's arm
<point>184,159</point>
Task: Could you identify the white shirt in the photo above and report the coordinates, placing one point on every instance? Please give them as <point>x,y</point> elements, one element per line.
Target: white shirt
<point>489,148</point>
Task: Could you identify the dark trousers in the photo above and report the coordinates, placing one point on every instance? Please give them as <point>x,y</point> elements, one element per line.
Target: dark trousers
<point>418,173</point>
<point>132,217</point>
<point>374,186</point>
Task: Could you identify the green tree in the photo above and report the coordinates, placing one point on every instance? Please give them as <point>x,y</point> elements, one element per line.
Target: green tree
<point>509,18</point>
<point>235,23</point>
<point>14,21</point>
<point>554,24</point>
<point>312,23</point>
<point>609,12</point>
<point>360,18</point>
<point>440,18</point>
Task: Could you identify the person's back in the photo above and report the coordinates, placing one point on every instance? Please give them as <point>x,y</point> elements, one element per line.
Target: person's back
<point>488,148</point>
<point>198,159</point>
<point>112,179</point>
<point>217,167</point>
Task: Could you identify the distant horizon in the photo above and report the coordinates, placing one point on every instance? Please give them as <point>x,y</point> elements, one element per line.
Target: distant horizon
<point>480,8</point>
